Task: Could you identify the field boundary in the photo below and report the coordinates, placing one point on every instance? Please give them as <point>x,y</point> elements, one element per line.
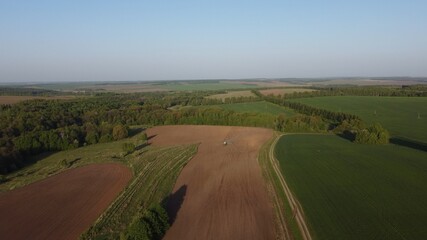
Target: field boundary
<point>295,206</point>
<point>283,229</point>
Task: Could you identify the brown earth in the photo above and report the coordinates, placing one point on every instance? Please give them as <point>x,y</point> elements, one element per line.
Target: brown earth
<point>222,194</point>
<point>62,206</point>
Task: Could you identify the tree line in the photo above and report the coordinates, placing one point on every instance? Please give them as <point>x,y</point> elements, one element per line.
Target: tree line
<point>358,132</point>
<point>37,126</point>
<point>20,91</point>
<point>321,120</point>
<point>308,110</point>
<point>380,91</point>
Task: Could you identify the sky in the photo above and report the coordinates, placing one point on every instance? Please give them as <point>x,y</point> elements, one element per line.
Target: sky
<point>165,40</point>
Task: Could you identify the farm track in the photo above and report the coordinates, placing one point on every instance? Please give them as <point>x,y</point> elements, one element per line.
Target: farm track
<point>283,231</point>
<point>294,204</point>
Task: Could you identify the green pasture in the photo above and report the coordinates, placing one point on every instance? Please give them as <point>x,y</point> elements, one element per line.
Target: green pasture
<point>353,191</point>
<point>402,116</point>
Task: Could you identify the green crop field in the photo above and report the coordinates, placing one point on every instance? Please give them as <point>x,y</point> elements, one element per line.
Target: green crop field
<point>352,191</point>
<point>402,116</point>
<point>258,107</point>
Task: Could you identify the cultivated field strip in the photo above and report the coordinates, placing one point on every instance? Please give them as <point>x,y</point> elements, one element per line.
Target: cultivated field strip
<point>155,173</point>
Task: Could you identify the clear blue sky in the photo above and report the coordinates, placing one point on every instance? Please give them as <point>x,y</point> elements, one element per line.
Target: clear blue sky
<point>149,40</point>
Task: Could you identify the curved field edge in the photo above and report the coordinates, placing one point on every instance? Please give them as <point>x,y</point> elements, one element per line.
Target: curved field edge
<point>156,172</point>
<point>49,164</point>
<point>286,224</point>
<point>356,191</point>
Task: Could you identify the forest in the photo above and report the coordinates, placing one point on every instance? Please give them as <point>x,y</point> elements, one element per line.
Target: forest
<point>36,126</point>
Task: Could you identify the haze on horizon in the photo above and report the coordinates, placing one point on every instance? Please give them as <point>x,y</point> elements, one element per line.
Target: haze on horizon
<point>159,40</point>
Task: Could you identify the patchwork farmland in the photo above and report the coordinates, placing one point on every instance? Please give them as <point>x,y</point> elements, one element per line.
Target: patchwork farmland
<point>337,177</point>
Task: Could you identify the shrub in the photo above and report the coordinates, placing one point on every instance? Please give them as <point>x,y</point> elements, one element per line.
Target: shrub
<point>120,132</point>
<point>128,147</point>
<point>152,225</point>
<point>374,134</point>
<point>143,137</point>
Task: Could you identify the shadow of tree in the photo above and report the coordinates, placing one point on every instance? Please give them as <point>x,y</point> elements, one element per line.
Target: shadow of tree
<point>152,136</point>
<point>141,146</point>
<point>350,136</point>
<point>173,203</point>
<point>409,143</point>
<point>135,131</point>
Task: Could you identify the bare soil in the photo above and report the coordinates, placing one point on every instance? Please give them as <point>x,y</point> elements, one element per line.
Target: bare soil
<point>62,206</point>
<point>225,194</point>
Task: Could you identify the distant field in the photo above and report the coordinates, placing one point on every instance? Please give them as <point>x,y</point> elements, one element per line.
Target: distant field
<point>402,116</point>
<point>281,91</point>
<point>189,86</point>
<point>232,94</point>
<point>368,82</point>
<point>352,191</point>
<point>16,99</point>
<point>258,107</point>
<point>130,87</point>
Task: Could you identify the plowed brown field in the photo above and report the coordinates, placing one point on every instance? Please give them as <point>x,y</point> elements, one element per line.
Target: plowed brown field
<point>225,195</point>
<point>62,206</point>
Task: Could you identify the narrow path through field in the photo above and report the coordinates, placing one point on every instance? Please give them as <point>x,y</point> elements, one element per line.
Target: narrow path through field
<point>294,204</point>
<point>61,206</point>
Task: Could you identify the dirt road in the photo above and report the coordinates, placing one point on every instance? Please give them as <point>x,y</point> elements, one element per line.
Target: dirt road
<point>223,194</point>
<point>62,206</point>
<point>294,204</point>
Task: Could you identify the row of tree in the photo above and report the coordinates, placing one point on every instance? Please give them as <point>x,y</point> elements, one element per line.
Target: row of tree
<point>313,120</point>
<point>300,123</point>
<point>337,117</point>
<point>403,91</point>
<point>358,132</point>
<point>21,91</point>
